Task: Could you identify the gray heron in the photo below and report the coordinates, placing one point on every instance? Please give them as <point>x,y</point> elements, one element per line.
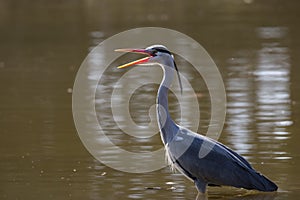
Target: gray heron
<point>219,165</point>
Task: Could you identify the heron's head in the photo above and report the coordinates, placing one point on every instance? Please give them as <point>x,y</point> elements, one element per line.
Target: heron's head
<point>156,54</point>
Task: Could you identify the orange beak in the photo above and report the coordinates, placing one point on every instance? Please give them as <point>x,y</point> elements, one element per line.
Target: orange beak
<point>136,62</point>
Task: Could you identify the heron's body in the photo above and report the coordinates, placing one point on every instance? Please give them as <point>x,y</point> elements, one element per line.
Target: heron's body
<point>221,165</point>
<point>201,159</point>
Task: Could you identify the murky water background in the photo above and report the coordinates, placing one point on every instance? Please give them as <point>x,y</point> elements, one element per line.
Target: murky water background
<point>42,44</point>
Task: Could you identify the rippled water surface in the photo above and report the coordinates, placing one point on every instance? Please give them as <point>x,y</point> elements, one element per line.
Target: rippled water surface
<point>255,45</point>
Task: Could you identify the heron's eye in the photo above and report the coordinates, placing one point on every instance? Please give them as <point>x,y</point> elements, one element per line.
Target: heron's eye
<point>154,52</point>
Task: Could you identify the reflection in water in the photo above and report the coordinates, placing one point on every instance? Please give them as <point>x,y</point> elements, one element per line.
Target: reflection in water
<point>240,104</point>
<point>272,79</point>
<point>262,95</point>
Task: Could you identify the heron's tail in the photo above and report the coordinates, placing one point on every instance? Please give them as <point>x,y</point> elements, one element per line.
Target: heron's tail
<point>262,183</point>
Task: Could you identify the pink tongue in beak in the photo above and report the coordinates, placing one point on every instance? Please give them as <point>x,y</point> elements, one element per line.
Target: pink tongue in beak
<point>136,62</point>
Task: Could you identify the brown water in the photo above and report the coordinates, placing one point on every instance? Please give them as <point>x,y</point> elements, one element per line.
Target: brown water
<point>42,44</point>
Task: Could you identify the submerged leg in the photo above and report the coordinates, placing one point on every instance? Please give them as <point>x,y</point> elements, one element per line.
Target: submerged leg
<point>200,185</point>
<point>201,196</point>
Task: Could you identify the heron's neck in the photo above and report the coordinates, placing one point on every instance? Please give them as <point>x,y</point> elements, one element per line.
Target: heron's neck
<point>166,125</point>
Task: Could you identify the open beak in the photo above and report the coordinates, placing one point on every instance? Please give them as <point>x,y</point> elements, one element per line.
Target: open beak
<point>136,62</point>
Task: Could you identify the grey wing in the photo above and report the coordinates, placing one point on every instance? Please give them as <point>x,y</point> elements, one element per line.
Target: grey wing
<point>243,160</point>
<point>216,167</point>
